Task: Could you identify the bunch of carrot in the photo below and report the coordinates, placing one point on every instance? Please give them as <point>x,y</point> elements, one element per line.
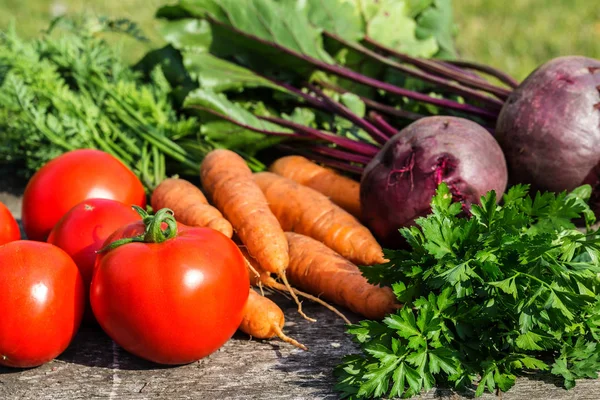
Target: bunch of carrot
<point>296,225</point>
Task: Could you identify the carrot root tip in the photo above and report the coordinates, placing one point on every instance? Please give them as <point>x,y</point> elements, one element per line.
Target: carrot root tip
<point>293,294</point>
<point>288,339</point>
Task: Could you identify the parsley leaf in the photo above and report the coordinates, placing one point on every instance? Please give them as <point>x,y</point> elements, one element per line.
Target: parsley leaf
<point>485,298</point>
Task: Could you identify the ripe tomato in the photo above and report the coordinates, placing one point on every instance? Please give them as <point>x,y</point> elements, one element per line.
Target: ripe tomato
<point>9,229</point>
<point>42,302</point>
<point>71,178</point>
<point>172,302</point>
<point>83,230</point>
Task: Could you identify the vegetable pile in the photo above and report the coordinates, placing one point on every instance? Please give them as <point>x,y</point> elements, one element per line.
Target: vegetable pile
<point>481,190</point>
<point>170,290</point>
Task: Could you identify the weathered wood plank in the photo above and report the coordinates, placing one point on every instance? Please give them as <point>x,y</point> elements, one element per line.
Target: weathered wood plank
<point>94,367</point>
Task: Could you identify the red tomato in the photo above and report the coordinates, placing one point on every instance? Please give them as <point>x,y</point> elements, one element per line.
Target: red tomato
<point>9,229</point>
<point>84,229</point>
<point>172,302</point>
<point>42,303</point>
<point>71,178</point>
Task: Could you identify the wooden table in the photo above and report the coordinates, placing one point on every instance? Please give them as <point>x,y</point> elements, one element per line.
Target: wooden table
<point>94,367</point>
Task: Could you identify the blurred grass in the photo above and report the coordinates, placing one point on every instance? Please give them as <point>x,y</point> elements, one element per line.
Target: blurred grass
<point>519,35</point>
<point>513,35</point>
<point>33,16</point>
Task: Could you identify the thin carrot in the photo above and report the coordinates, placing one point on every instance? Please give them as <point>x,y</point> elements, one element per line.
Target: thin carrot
<point>260,277</point>
<point>263,319</point>
<point>316,268</point>
<point>304,210</point>
<point>228,181</point>
<point>189,205</point>
<point>341,190</point>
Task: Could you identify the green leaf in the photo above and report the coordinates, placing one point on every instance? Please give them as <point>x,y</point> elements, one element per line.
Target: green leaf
<point>335,16</point>
<point>392,26</point>
<point>515,194</point>
<point>399,378</point>
<point>441,201</point>
<point>227,134</point>
<point>219,103</point>
<point>485,212</point>
<point>354,103</point>
<point>504,381</point>
<point>486,379</point>
<point>417,358</point>
<point>456,274</point>
<point>533,363</point>
<point>187,33</point>
<point>441,236</point>
<point>437,23</point>
<point>442,359</point>
<point>529,341</point>
<point>554,301</point>
<point>507,285</point>
<point>414,379</point>
<point>276,22</point>
<point>403,322</point>
<point>218,75</point>
<point>416,7</point>
<point>560,368</point>
<point>377,379</point>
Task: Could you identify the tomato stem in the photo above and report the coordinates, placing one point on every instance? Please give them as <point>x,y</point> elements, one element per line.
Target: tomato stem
<point>153,233</point>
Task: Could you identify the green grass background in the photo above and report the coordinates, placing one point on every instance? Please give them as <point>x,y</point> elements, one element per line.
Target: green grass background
<point>514,35</point>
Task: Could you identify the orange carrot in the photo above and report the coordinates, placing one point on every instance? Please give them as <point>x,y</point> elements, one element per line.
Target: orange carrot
<point>260,277</point>
<point>316,268</point>
<point>228,181</point>
<point>341,190</point>
<point>263,319</point>
<point>304,210</point>
<point>189,205</point>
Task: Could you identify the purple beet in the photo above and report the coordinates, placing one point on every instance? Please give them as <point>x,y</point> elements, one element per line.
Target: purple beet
<point>398,184</point>
<point>549,128</point>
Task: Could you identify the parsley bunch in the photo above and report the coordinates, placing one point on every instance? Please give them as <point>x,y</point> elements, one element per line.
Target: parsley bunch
<point>514,287</point>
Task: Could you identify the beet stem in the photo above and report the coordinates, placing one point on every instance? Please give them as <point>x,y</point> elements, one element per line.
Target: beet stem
<point>424,76</point>
<point>242,125</point>
<point>327,104</point>
<point>324,160</point>
<point>437,68</point>
<point>353,145</point>
<point>365,80</point>
<point>385,126</point>
<point>345,112</point>
<point>389,110</point>
<point>315,102</point>
<point>501,76</point>
<point>342,155</point>
<point>459,70</point>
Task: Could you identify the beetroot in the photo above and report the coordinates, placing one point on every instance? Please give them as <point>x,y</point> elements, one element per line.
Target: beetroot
<point>398,184</point>
<point>549,128</point>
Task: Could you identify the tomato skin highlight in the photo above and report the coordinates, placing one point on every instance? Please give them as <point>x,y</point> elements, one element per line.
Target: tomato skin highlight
<point>71,178</point>
<point>173,302</point>
<point>42,303</point>
<point>82,231</point>
<point>9,228</point>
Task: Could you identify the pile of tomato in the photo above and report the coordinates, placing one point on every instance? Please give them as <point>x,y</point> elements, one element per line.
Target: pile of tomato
<point>166,292</point>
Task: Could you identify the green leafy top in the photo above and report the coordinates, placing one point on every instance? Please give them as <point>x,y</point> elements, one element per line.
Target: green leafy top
<point>513,287</point>
<point>69,89</point>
